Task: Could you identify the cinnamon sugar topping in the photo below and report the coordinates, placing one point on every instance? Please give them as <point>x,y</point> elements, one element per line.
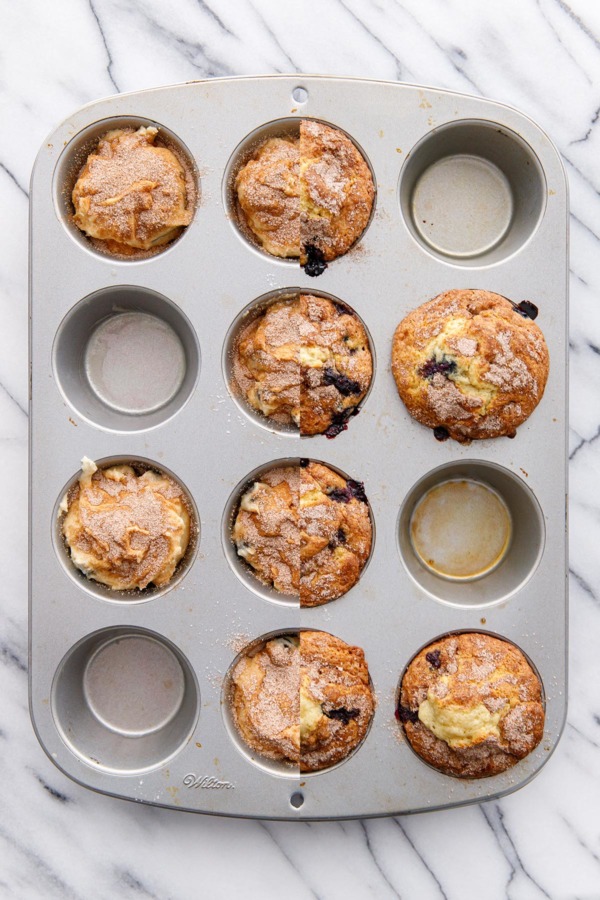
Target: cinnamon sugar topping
<point>126,530</point>
<point>133,194</point>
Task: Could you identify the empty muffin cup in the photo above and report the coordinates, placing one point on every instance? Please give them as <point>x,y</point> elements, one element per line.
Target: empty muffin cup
<point>461,529</point>
<point>472,192</point>
<point>125,700</point>
<point>126,358</point>
<point>471,533</point>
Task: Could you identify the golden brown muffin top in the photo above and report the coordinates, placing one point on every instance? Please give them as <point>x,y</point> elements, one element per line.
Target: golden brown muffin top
<point>471,705</point>
<point>304,361</point>
<point>469,363</point>
<point>309,196</point>
<point>305,699</point>
<point>305,530</point>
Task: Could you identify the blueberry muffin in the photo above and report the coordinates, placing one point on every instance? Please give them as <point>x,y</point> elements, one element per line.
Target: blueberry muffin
<point>336,193</point>
<point>308,197</point>
<point>265,699</point>
<point>470,364</point>
<point>471,705</point>
<point>125,529</point>
<point>304,362</point>
<point>335,534</point>
<point>303,699</point>
<point>305,531</point>
<point>134,194</point>
<point>336,700</point>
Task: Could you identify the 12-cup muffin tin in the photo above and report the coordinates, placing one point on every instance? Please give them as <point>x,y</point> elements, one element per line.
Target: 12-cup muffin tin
<point>128,692</point>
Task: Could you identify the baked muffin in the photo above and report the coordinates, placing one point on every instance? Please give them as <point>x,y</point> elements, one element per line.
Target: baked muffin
<point>265,699</point>
<point>133,195</point>
<point>305,531</point>
<point>336,700</point>
<point>309,196</point>
<point>125,529</point>
<point>336,192</point>
<point>470,364</point>
<point>304,362</point>
<point>304,699</point>
<point>335,534</point>
<point>471,705</point>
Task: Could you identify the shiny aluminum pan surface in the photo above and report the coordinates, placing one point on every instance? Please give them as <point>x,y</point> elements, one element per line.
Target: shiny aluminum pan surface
<point>418,141</point>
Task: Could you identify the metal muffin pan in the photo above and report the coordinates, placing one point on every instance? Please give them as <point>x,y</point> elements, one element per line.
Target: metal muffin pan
<point>470,193</point>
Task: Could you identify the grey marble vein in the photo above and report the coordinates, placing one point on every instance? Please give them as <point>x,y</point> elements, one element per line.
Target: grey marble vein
<point>109,64</point>
<point>438,890</point>
<point>495,819</point>
<point>365,829</point>
<point>49,882</point>
<point>14,179</point>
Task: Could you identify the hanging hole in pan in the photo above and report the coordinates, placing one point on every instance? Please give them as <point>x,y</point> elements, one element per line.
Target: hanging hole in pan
<point>300,94</point>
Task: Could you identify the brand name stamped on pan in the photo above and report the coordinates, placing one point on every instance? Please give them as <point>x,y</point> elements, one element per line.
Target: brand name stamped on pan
<point>207,781</point>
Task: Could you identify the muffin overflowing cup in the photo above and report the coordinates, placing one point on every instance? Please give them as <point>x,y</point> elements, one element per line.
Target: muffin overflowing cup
<point>470,364</point>
<point>471,705</point>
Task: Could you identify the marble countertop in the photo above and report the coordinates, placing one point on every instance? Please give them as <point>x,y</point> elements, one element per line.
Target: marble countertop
<point>58,839</point>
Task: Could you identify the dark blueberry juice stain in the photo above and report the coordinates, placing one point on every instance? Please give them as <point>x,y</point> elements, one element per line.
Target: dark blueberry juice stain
<point>354,490</point>
<point>433,658</point>
<point>344,385</point>
<point>433,367</point>
<point>440,433</point>
<point>527,310</point>
<point>339,422</point>
<point>337,539</point>
<point>340,309</point>
<point>342,714</point>
<point>405,714</point>
<point>315,261</point>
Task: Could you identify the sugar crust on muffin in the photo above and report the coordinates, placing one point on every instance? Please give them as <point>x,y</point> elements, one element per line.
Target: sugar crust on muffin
<point>306,196</point>
<point>305,530</point>
<point>469,363</point>
<point>125,529</point>
<point>133,195</point>
<point>471,705</point>
<point>303,699</point>
<point>304,362</point>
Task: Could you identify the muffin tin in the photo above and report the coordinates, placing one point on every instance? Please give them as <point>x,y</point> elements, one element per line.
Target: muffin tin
<point>128,692</point>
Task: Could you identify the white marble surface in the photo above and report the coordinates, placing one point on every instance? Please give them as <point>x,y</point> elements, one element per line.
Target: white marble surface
<point>58,839</point>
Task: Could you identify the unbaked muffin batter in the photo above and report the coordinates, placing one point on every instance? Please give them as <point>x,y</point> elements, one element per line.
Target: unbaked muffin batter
<point>123,529</point>
<point>133,194</point>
